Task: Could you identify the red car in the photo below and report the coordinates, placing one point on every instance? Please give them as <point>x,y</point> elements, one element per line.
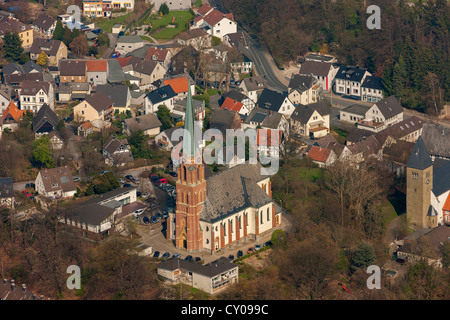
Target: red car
<point>250,250</point>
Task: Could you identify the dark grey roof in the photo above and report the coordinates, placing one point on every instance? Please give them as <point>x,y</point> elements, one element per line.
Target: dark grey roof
<point>161,94</point>
<point>350,73</point>
<point>49,46</point>
<point>303,113</point>
<point>441,179</point>
<point>301,82</point>
<point>118,93</point>
<point>358,109</point>
<point>315,68</point>
<point>255,83</point>
<point>30,65</point>
<point>357,134</point>
<point>12,67</point>
<point>130,39</point>
<point>115,74</point>
<point>233,190</point>
<point>389,107</point>
<point>45,116</point>
<point>233,94</point>
<point>21,77</point>
<point>436,139</point>
<point>373,82</point>
<point>420,158</point>
<point>44,21</point>
<point>92,214</point>
<point>270,99</point>
<point>145,122</point>
<point>6,188</point>
<point>210,270</point>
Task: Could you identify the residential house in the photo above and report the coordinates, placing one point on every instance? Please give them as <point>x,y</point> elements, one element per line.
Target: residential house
<point>115,72</point>
<point>69,91</point>
<point>244,65</point>
<point>56,140</point>
<point>179,110</point>
<point>148,70</point>
<point>233,105</point>
<point>99,215</point>
<point>164,139</point>
<point>160,55</point>
<point>97,71</point>
<point>372,89</point>
<point>225,119</point>
<point>211,278</point>
<point>214,22</point>
<point>240,97</point>
<point>252,87</point>
<point>148,123</point>
<point>85,129</point>
<point>11,117</point>
<point>55,183</point>
<point>44,121</point>
<point>324,72</point>
<point>353,113</point>
<point>303,89</point>
<point>44,25</point>
<point>382,114</point>
<point>35,94</point>
<point>435,138</point>
<point>413,251</point>
<point>9,23</point>
<point>268,143</point>
<point>158,97</point>
<point>407,130</point>
<point>275,101</point>
<point>54,49</point>
<point>349,79</point>
<point>97,106</point>
<point>127,44</point>
<point>16,80</point>
<point>312,120</point>
<point>180,85</point>
<point>173,5</point>
<point>119,94</point>
<point>5,99</point>
<point>183,60</point>
<point>72,71</point>
<point>117,152</point>
<point>104,8</point>
<point>266,119</point>
<point>197,38</point>
<point>323,157</point>
<point>7,193</point>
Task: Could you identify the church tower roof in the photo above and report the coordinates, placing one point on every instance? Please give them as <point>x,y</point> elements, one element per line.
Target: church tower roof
<point>189,143</point>
<point>420,158</point>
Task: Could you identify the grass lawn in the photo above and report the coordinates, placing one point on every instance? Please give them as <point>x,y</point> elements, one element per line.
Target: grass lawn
<point>145,38</point>
<point>106,24</point>
<point>181,17</point>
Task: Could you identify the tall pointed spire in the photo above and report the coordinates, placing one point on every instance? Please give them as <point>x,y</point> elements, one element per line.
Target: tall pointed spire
<point>189,122</point>
<point>420,158</point>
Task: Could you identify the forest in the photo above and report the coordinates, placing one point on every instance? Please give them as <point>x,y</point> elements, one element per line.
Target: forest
<point>410,51</point>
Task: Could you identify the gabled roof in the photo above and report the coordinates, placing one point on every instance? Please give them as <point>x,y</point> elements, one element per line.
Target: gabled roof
<point>13,111</point>
<point>301,82</point>
<point>420,158</point>
<point>161,94</point>
<point>319,154</point>
<point>389,107</point>
<point>179,85</point>
<point>12,67</point>
<point>45,114</point>
<point>118,93</point>
<point>350,73</point>
<point>303,113</point>
<point>358,109</point>
<point>441,179</point>
<point>315,68</point>
<point>192,34</point>
<point>33,87</point>
<point>255,83</point>
<point>436,139</point>
<point>72,67</point>
<point>99,101</point>
<point>30,65</point>
<point>271,100</point>
<point>233,105</point>
<point>204,9</point>
<point>156,54</point>
<point>96,65</point>
<point>59,178</point>
<point>234,95</point>
<point>145,122</point>
<point>400,129</point>
<point>44,21</point>
<point>373,82</point>
<point>130,39</point>
<point>49,46</point>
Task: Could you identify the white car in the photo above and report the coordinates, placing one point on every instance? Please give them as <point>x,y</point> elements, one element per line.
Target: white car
<point>121,180</point>
<point>138,212</point>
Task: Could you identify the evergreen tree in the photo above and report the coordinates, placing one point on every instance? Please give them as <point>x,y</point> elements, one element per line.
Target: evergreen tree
<point>363,257</point>
<point>164,9</point>
<point>59,30</point>
<point>12,46</point>
<point>163,115</point>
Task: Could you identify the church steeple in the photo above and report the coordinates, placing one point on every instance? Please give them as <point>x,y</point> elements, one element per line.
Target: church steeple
<point>189,147</point>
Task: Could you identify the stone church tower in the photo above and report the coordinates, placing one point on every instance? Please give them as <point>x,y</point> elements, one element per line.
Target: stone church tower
<point>191,188</point>
<point>419,183</point>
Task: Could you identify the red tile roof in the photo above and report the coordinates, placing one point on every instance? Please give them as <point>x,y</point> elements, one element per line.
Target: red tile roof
<point>447,204</point>
<point>319,154</point>
<point>233,105</point>
<point>13,111</point>
<point>97,65</point>
<point>123,61</point>
<point>178,85</point>
<point>156,54</point>
<point>204,9</point>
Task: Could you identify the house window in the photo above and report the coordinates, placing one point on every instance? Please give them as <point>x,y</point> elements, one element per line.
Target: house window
<point>268,214</point>
<point>261,217</point>
<point>415,175</point>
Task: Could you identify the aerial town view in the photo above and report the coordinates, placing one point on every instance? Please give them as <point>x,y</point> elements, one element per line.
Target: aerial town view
<point>224,150</point>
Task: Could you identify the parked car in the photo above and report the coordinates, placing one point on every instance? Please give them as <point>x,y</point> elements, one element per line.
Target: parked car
<point>159,215</point>
<point>121,180</point>
<point>173,174</point>
<point>30,185</point>
<point>267,243</point>
<point>126,185</point>
<point>239,254</point>
<point>154,177</point>
<point>197,259</point>
<point>257,247</point>
<point>146,220</point>
<point>188,258</point>
<point>115,55</point>
<point>129,177</point>
<point>163,180</point>
<point>176,255</point>
<point>138,212</point>
<point>145,195</point>
<point>154,220</point>
<point>250,250</point>
<point>165,255</point>
<point>103,172</point>
<point>231,257</point>
<point>156,254</point>
<point>24,192</point>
